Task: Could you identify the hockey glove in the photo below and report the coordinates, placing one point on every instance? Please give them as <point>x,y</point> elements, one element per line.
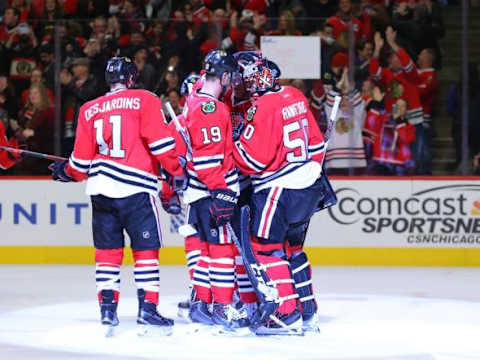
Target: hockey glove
<point>224,202</point>
<point>58,171</point>
<point>172,205</point>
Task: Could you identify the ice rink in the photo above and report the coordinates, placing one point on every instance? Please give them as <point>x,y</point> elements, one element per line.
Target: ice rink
<point>50,312</point>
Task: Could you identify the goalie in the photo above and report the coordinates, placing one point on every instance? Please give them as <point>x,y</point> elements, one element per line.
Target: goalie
<point>282,150</point>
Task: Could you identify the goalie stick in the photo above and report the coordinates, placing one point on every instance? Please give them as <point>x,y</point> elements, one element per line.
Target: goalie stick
<point>32,154</point>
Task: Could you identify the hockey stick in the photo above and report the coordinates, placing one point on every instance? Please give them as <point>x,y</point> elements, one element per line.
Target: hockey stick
<point>32,154</point>
<point>180,129</point>
<point>332,119</point>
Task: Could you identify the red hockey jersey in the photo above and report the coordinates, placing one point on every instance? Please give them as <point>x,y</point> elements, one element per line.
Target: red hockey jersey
<point>208,124</point>
<point>390,141</point>
<point>280,141</point>
<point>398,85</point>
<point>121,137</point>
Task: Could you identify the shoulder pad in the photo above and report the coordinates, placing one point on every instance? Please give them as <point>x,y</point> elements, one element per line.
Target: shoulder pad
<point>208,107</point>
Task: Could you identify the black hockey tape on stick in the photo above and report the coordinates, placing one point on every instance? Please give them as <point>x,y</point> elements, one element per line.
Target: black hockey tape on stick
<point>32,154</point>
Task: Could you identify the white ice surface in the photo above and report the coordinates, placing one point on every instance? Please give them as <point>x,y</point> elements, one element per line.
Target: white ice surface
<point>384,321</point>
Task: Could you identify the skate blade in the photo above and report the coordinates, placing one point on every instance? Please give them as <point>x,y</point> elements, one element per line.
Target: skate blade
<point>108,330</point>
<point>310,328</point>
<point>219,330</point>
<point>154,331</point>
<point>279,332</point>
<point>184,314</point>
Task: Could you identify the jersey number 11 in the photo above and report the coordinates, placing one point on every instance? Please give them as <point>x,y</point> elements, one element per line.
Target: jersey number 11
<point>116,151</point>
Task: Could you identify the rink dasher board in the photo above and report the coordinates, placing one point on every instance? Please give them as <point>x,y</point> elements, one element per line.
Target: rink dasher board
<point>429,221</point>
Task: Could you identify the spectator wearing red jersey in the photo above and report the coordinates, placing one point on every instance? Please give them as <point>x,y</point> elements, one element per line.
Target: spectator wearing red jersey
<point>425,79</point>
<point>387,138</point>
<point>23,7</point>
<point>245,33</point>
<point>21,56</point>
<point>340,21</point>
<point>9,26</point>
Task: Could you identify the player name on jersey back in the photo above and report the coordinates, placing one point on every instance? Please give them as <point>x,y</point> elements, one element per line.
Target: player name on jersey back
<point>293,110</point>
<point>121,103</point>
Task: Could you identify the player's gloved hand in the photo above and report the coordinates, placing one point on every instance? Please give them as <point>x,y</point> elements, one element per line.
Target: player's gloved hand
<point>58,171</point>
<point>224,202</point>
<point>238,124</point>
<point>171,205</point>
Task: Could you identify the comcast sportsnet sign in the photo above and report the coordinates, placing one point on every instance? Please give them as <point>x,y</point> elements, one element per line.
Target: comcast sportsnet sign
<point>401,213</point>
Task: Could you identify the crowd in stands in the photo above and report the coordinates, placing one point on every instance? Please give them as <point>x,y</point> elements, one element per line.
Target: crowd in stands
<point>388,83</point>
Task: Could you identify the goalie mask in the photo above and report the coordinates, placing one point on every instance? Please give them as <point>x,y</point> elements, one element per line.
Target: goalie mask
<point>260,76</point>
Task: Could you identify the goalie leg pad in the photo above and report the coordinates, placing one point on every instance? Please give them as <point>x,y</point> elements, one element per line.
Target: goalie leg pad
<point>201,279</point>
<point>192,252</point>
<point>272,257</point>
<point>302,275</point>
<point>147,274</point>
<point>245,287</point>
<point>222,272</point>
<point>107,272</point>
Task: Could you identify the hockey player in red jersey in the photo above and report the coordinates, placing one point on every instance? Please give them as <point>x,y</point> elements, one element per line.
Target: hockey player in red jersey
<point>121,139</point>
<point>212,193</point>
<point>281,148</point>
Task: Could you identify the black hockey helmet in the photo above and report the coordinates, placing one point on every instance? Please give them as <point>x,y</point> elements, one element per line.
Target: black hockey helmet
<point>218,62</point>
<point>186,87</point>
<point>121,70</point>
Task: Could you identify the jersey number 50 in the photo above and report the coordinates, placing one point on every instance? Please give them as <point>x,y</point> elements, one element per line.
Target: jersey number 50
<point>300,141</point>
<point>116,151</point>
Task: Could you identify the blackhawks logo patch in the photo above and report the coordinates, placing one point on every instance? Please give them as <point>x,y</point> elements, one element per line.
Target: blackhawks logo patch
<point>343,125</point>
<point>209,107</point>
<point>251,112</point>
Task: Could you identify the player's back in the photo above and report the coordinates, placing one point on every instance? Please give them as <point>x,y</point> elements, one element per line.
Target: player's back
<point>122,160</point>
<point>281,140</point>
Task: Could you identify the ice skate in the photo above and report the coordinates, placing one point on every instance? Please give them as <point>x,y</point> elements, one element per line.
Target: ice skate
<point>184,309</point>
<point>108,313</point>
<point>199,313</point>
<point>229,317</point>
<point>311,323</point>
<point>184,306</point>
<point>150,322</point>
<point>282,324</point>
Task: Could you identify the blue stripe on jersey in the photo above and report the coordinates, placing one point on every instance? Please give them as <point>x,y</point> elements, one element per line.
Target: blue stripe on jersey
<point>158,147</point>
<point>287,169</point>
<point>126,172</point>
